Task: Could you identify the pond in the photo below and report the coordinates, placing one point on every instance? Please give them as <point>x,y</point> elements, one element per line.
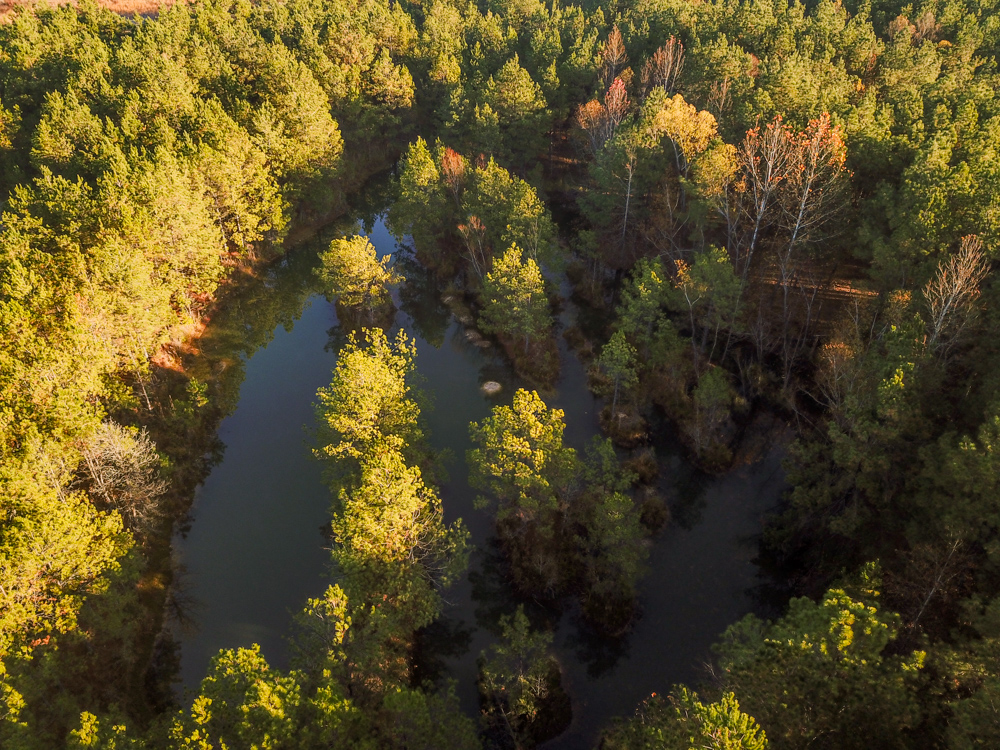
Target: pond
<point>253,550</point>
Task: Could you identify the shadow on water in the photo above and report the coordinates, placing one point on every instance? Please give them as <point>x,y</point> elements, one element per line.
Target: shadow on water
<point>254,551</point>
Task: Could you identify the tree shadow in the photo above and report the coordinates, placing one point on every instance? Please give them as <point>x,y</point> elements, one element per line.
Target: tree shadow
<point>445,638</point>
<point>495,596</point>
<point>599,652</point>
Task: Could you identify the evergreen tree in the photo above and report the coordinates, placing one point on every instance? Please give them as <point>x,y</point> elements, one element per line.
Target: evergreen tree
<point>352,272</point>
<point>514,300</point>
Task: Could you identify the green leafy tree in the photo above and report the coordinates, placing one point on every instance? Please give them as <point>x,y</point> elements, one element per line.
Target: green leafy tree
<point>613,554</point>
<point>711,400</point>
<point>514,300</point>
<point>521,460</point>
<point>602,471</point>
<point>643,296</point>
<point>98,734</point>
<point>352,272</point>
<point>242,702</point>
<point>370,404</point>
<point>709,291</point>
<point>516,676</point>
<point>820,677</point>
<point>55,551</point>
<point>511,212</point>
<point>969,667</point>
<point>416,720</point>
<point>617,362</point>
<point>522,112</point>
<point>391,539</point>
<point>682,721</point>
<point>421,208</point>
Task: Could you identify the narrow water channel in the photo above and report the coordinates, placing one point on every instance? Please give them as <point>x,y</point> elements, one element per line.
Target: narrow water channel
<point>254,550</point>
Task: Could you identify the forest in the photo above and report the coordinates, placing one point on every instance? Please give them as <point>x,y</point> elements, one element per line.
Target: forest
<point>772,220</point>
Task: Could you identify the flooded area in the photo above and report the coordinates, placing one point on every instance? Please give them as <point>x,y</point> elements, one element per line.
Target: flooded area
<point>254,551</point>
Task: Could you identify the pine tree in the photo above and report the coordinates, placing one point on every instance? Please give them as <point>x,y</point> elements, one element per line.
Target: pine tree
<point>514,300</point>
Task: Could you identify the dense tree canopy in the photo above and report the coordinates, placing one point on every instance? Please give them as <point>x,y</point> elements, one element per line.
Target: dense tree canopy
<point>757,208</point>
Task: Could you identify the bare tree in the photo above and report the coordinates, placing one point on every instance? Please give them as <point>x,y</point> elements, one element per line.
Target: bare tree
<point>600,120</point>
<point>592,117</point>
<point>839,369</point>
<point>613,56</point>
<point>938,570</point>
<point>811,194</point>
<point>631,162</point>
<point>951,295</point>
<point>453,170</point>
<point>616,103</point>
<point>121,470</point>
<point>478,246</point>
<point>664,67</point>
<point>718,97</point>
<point>766,157</point>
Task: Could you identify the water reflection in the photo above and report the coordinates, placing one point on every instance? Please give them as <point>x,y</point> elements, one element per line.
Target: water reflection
<point>255,551</point>
<point>420,298</point>
<point>599,653</point>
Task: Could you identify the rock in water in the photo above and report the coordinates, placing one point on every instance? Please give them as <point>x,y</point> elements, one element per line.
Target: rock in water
<point>491,387</point>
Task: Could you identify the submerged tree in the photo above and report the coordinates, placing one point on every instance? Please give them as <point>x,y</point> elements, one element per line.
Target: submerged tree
<point>519,683</point>
<point>521,461</point>
<point>514,300</point>
<point>617,362</point>
<point>352,272</point>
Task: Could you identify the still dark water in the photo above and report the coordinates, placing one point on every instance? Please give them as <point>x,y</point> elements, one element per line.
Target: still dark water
<point>254,552</point>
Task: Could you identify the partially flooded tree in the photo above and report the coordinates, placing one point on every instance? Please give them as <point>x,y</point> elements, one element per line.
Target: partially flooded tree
<point>643,295</point>
<point>708,290</point>
<point>617,362</point>
<point>352,272</point>
<point>518,679</point>
<point>421,209</point>
<point>613,554</point>
<point>520,460</point>
<point>514,301</point>
<point>393,518</point>
<point>712,400</point>
<point>370,401</point>
<point>511,212</point>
